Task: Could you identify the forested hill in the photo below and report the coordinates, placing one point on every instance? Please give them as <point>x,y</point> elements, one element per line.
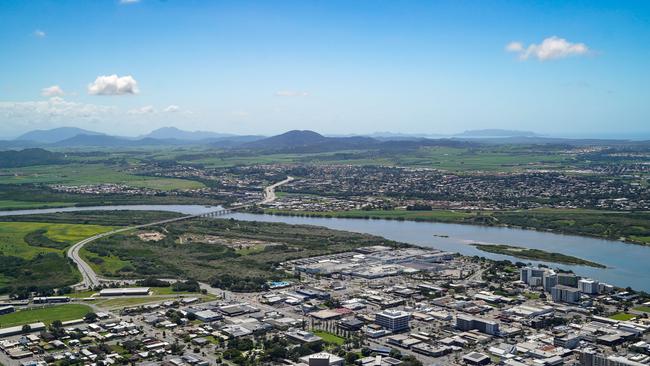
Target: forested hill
<point>27,157</point>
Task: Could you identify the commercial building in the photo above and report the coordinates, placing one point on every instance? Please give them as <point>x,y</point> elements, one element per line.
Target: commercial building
<point>567,279</point>
<point>531,276</point>
<point>467,322</point>
<point>590,357</point>
<point>393,320</point>
<point>127,291</point>
<point>323,359</point>
<point>549,280</point>
<point>567,294</point>
<point>476,358</point>
<point>588,286</point>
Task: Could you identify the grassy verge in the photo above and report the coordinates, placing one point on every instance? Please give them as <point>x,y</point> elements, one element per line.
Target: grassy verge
<point>645,309</point>
<point>622,316</point>
<point>46,315</point>
<point>535,254</point>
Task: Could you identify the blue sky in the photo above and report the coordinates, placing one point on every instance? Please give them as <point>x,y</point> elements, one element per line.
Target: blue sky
<point>562,68</point>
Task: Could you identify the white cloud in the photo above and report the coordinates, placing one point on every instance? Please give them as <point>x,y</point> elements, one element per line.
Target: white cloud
<point>551,48</point>
<point>143,110</point>
<point>53,109</point>
<point>129,1</point>
<point>52,91</point>
<point>291,93</point>
<point>39,33</point>
<point>172,108</point>
<point>514,47</point>
<point>113,85</point>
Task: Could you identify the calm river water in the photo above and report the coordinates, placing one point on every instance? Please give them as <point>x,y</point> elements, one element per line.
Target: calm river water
<point>627,264</point>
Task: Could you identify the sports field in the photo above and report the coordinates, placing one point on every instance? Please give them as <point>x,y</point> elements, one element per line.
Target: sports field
<point>46,315</point>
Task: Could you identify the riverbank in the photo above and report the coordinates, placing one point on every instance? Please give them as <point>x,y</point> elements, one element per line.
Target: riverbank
<point>535,254</point>
<point>630,227</point>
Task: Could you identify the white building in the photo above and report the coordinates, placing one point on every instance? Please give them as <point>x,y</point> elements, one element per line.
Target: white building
<point>588,286</point>
<point>394,320</point>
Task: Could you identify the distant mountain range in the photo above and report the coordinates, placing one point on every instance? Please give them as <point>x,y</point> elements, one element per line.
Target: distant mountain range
<point>178,134</point>
<point>295,141</point>
<point>493,132</point>
<point>55,134</point>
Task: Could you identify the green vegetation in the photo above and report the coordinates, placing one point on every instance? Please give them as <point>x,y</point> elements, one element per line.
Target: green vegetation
<point>32,253</point>
<point>622,316</point>
<point>22,205</point>
<point>105,218</point>
<point>125,255</point>
<point>46,315</point>
<point>535,254</point>
<point>434,216</point>
<point>633,227</point>
<point>26,157</point>
<point>330,338</point>
<point>80,174</point>
<point>645,309</point>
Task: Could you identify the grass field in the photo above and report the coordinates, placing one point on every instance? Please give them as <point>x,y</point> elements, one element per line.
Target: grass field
<point>12,236</point>
<point>487,158</point>
<point>22,264</point>
<point>46,315</point>
<point>330,338</point>
<point>622,316</point>
<point>645,309</point>
<point>79,174</point>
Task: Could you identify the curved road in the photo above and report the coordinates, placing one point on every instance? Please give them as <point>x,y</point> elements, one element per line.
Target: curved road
<point>90,278</point>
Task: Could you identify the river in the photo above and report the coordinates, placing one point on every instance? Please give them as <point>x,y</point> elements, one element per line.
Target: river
<point>627,264</point>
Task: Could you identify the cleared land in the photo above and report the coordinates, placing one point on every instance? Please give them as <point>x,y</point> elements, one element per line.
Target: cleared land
<point>46,315</point>
<point>535,254</point>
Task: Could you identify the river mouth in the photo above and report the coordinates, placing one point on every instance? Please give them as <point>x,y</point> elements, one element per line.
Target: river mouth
<point>626,263</point>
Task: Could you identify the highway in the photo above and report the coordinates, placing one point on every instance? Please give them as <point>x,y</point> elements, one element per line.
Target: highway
<point>269,192</point>
<point>90,278</point>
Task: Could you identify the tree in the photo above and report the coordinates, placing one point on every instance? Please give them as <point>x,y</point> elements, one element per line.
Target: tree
<point>351,357</point>
<point>410,361</point>
<point>26,328</point>
<point>90,317</point>
<point>394,353</point>
<point>177,348</point>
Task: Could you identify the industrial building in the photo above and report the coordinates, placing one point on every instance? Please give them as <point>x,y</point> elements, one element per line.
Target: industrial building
<point>126,291</point>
